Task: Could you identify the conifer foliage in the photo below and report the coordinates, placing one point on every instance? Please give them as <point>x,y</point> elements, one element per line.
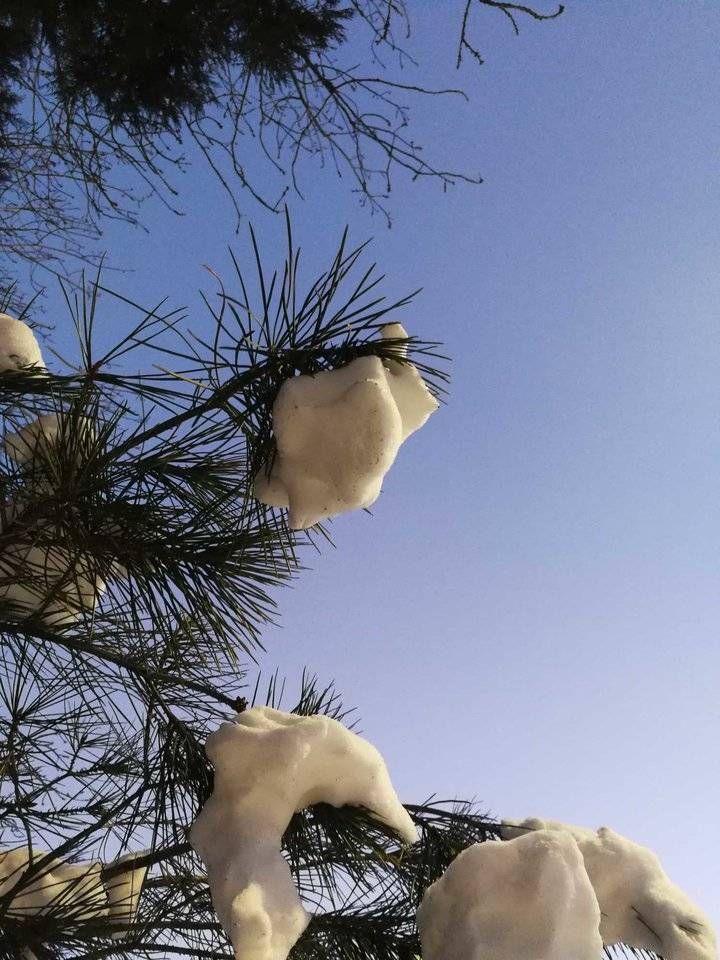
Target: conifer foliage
<point>142,485</point>
<point>147,485</point>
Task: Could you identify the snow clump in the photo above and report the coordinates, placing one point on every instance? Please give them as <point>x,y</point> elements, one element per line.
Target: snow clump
<point>75,891</point>
<point>34,440</point>
<point>640,906</point>
<point>38,573</point>
<point>268,765</point>
<point>338,433</point>
<point>41,438</point>
<point>18,346</point>
<point>529,899</point>
<point>42,578</point>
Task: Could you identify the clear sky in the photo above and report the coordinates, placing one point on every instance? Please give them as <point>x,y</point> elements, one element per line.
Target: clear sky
<point>531,616</point>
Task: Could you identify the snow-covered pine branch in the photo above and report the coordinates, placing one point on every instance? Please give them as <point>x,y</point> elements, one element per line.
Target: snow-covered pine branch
<point>338,433</point>
<point>269,765</point>
<point>76,890</point>
<point>550,891</point>
<point>103,717</point>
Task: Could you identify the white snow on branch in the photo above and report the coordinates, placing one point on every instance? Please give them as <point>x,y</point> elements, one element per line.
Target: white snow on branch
<point>641,907</point>
<point>43,439</point>
<point>42,578</point>
<point>529,899</point>
<point>338,433</point>
<point>18,346</point>
<point>268,765</point>
<point>39,573</point>
<point>35,439</point>
<point>73,891</point>
<point>123,893</point>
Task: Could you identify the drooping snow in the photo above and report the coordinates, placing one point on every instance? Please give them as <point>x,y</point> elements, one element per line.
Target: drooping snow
<point>18,346</point>
<point>527,899</point>
<point>338,433</point>
<point>414,401</point>
<point>268,765</point>
<point>641,907</point>
<point>76,891</point>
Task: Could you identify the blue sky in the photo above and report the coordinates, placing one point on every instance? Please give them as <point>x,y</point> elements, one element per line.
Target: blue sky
<point>530,617</point>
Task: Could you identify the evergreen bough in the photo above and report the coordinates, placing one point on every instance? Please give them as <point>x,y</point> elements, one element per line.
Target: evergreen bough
<point>103,721</point>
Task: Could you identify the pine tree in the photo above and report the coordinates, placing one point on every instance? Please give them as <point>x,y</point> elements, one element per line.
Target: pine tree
<point>153,573</point>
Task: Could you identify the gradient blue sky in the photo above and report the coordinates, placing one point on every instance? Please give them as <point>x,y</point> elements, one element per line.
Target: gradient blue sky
<point>531,616</point>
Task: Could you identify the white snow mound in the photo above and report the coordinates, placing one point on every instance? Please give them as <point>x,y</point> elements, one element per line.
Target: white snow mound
<point>338,433</point>
<point>76,891</point>
<point>18,346</point>
<point>641,907</point>
<point>268,765</point>
<point>529,899</point>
